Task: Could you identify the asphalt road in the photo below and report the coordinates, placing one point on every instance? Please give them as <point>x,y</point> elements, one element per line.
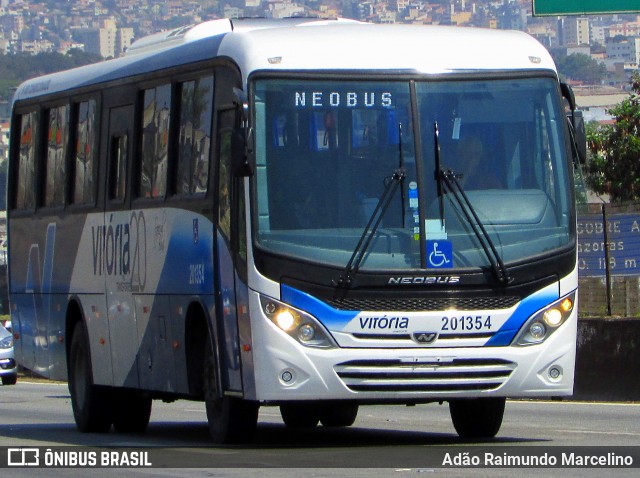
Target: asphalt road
<point>384,441</point>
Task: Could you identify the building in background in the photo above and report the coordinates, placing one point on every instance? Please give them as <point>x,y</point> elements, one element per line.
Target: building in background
<point>106,40</point>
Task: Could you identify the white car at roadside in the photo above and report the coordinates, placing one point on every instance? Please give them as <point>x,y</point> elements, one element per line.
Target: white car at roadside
<point>8,367</point>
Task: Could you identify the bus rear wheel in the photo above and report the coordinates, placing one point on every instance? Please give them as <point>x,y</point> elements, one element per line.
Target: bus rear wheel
<point>131,411</point>
<point>231,420</point>
<point>477,417</point>
<point>90,403</point>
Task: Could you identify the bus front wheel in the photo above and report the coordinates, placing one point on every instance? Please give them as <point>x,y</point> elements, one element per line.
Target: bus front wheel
<point>90,403</point>
<point>339,415</point>
<point>300,415</point>
<point>231,419</point>
<point>477,417</point>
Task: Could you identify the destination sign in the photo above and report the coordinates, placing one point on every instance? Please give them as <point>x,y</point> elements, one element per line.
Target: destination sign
<point>337,99</point>
<point>623,244</point>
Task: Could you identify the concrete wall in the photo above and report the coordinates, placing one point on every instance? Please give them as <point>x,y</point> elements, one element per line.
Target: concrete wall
<point>608,360</point>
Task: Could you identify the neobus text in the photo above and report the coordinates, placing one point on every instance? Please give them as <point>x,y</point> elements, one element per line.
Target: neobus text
<point>349,99</point>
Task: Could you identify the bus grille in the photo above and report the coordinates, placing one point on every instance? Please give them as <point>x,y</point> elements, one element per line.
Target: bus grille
<point>417,304</point>
<point>457,375</point>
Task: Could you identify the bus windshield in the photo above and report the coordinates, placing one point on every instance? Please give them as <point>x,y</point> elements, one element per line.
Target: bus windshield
<point>326,151</point>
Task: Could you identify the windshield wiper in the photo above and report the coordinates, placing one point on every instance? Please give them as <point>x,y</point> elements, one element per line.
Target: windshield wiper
<point>450,179</point>
<point>370,229</point>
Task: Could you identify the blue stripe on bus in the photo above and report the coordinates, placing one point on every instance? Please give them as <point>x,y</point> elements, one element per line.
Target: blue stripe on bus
<point>529,306</point>
<point>332,318</point>
<point>338,319</point>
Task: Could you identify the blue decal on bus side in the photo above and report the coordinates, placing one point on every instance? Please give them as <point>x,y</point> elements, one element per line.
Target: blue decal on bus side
<point>188,264</point>
<point>334,319</point>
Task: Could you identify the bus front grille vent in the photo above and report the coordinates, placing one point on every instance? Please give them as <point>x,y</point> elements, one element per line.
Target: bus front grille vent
<point>417,304</point>
<point>428,376</point>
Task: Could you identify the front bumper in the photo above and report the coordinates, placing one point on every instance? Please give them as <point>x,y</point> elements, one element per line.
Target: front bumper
<point>284,370</point>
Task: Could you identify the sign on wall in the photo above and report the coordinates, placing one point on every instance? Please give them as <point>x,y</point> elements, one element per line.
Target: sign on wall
<point>623,244</point>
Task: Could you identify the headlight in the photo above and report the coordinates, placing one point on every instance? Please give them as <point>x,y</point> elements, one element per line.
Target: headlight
<point>545,322</point>
<point>6,343</point>
<point>304,328</point>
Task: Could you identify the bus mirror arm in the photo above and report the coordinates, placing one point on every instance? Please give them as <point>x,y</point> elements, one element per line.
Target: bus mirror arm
<point>242,152</point>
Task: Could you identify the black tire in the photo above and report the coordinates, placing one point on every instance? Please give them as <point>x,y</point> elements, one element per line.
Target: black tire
<point>10,379</point>
<point>231,420</point>
<point>90,403</point>
<point>131,411</point>
<point>477,417</point>
<point>300,415</point>
<point>339,415</point>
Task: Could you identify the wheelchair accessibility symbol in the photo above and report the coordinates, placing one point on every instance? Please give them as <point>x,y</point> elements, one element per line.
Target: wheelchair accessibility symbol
<point>439,254</point>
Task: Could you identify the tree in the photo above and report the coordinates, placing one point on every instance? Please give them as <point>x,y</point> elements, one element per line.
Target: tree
<point>614,168</point>
<point>581,67</point>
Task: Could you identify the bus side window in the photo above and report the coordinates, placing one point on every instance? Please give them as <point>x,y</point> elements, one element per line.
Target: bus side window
<point>155,141</point>
<point>26,191</point>
<point>84,191</point>
<point>57,139</point>
<point>224,208</point>
<point>119,145</point>
<point>194,140</point>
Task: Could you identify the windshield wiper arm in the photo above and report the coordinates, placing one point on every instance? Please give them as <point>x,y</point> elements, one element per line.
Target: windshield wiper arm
<point>450,179</point>
<point>438,173</point>
<point>401,167</point>
<point>370,229</point>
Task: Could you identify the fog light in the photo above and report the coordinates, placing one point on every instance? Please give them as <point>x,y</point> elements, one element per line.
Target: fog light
<point>286,376</point>
<point>306,333</point>
<point>555,373</point>
<point>285,320</point>
<point>537,330</point>
<point>553,317</point>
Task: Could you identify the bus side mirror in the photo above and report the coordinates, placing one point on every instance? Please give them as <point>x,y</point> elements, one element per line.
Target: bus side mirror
<point>580,136</point>
<point>241,152</point>
<point>576,123</point>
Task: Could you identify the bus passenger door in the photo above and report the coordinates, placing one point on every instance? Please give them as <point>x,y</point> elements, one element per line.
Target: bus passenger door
<point>124,249</point>
<point>226,294</point>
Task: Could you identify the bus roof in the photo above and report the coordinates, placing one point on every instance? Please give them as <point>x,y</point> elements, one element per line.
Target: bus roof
<point>311,44</point>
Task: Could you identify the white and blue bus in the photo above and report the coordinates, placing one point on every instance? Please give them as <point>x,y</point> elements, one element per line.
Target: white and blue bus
<point>310,214</point>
